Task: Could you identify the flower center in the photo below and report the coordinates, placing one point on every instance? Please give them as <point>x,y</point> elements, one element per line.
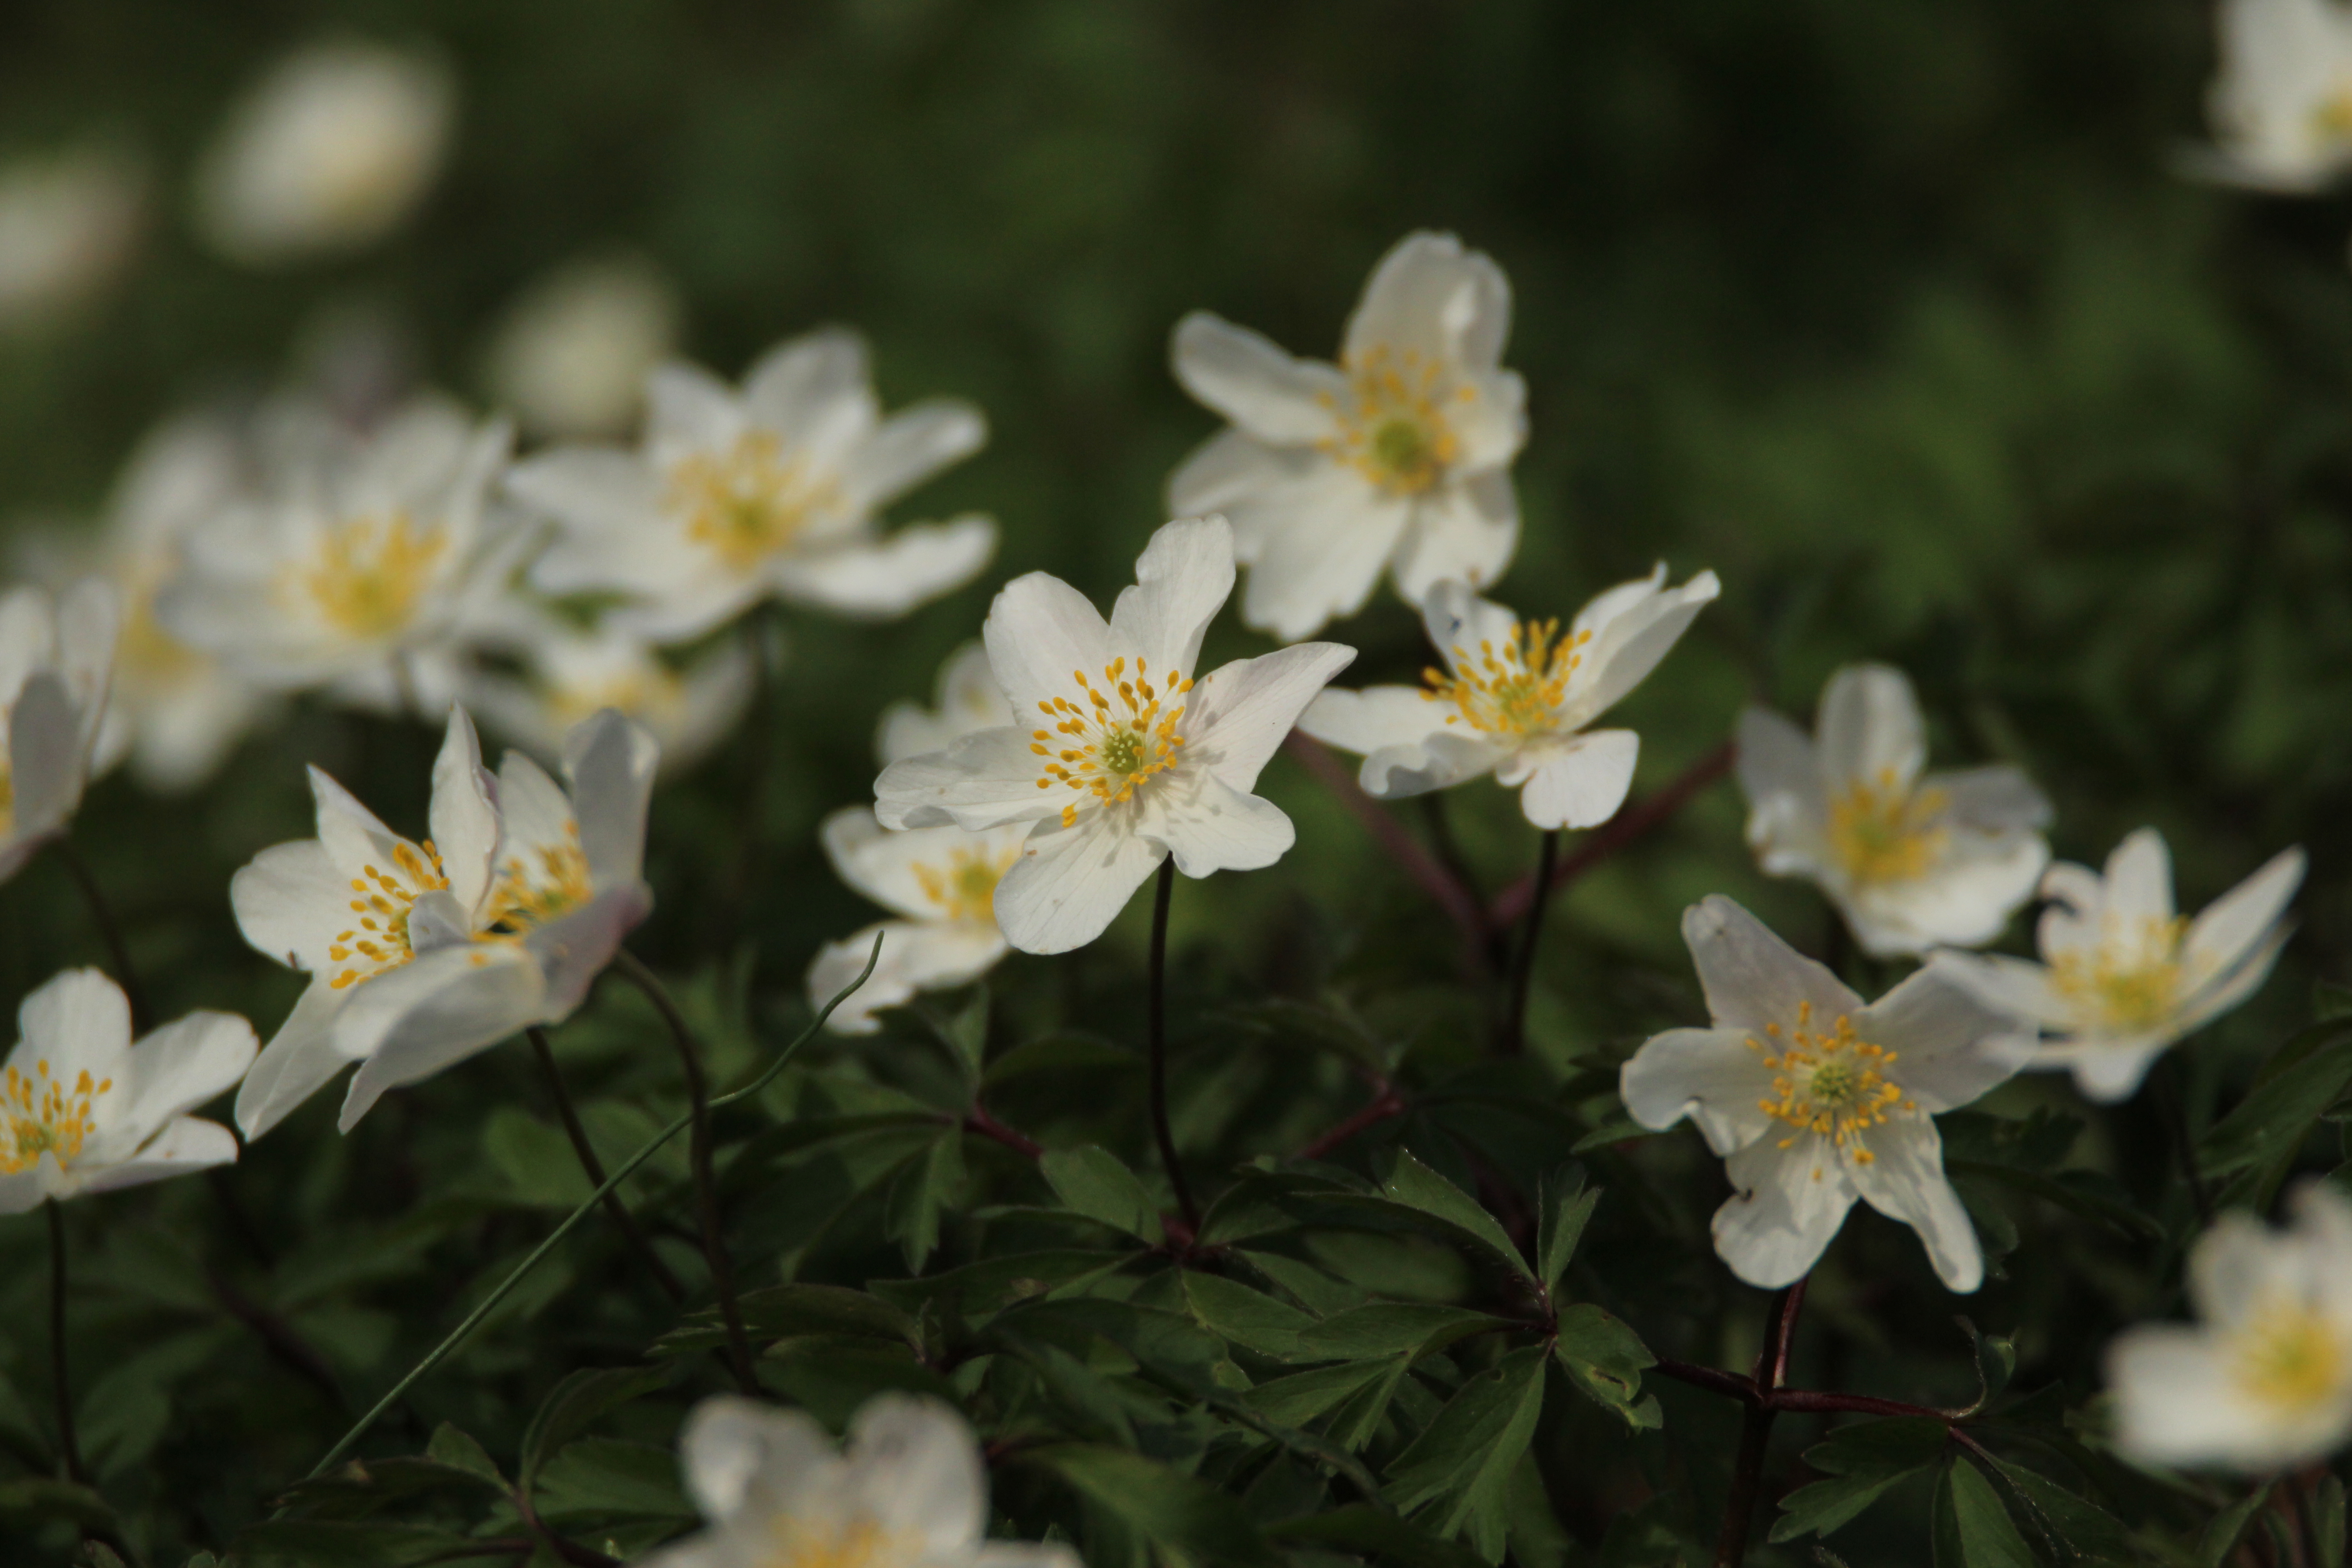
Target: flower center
<point>653,694</point>
<point>860,1543</point>
<point>1829,1082</point>
<point>2124,984</point>
<point>40,1115</point>
<point>2331,121</point>
<point>1886,832</point>
<point>372,576</point>
<point>750,501</point>
<point>146,653</point>
<point>2289,1357</point>
<point>966,889</point>
<point>7,787</point>
<point>1392,427</point>
<point>527,898</point>
<point>1118,736</point>
<point>380,942</point>
<point>1516,689</point>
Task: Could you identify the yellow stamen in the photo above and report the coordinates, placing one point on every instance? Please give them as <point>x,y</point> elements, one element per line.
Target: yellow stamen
<point>753,501</point>
<point>1120,735</point>
<point>2130,983</point>
<point>372,576</point>
<point>380,939</point>
<point>2289,1357</point>
<point>1514,690</point>
<point>1885,831</point>
<point>966,889</point>
<point>529,897</point>
<point>1829,1082</point>
<point>39,1115</point>
<point>1392,427</point>
<point>860,1542</point>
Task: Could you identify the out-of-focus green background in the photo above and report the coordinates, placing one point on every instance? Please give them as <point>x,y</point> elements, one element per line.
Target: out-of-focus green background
<point>1894,312</point>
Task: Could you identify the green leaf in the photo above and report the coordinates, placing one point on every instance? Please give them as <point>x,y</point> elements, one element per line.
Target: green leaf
<point>605,1479</point>
<point>1859,1463</point>
<point>315,1543</point>
<point>577,1403</point>
<point>1322,1294</point>
<point>1416,1186</point>
<point>963,1030</point>
<point>1302,1395</point>
<point>2327,1520</point>
<point>2295,1088</point>
<point>926,1185</point>
<point>1605,1358</point>
<point>38,1501</point>
<point>2222,1534</point>
<point>1362,1529</point>
<point>1060,1054</point>
<point>2330,1002</point>
<point>2086,1529</point>
<point>1608,1134</point>
<point>980,1289</point>
<point>1460,1467</point>
<point>1248,1318</point>
<point>1163,1506</point>
<point>1970,1528</point>
<point>1996,1359</point>
<point>460,1452</point>
<point>1392,1327</point>
<point>781,1311</point>
<point>2085,1193</point>
<point>1565,1204</point>
<point>1091,1181</point>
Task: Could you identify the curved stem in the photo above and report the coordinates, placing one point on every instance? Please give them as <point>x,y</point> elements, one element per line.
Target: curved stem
<point>58,1377</point>
<point>458,1335</point>
<point>979,1119</point>
<point>1156,1036</point>
<point>1523,971</point>
<point>1756,1427</point>
<point>1460,905</point>
<point>706,1184</point>
<point>627,1222</point>
<point>118,951</point>
<point>1386,1104</point>
<point>1620,830</point>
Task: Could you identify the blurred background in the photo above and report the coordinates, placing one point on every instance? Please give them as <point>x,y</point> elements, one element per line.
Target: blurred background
<point>1897,313</point>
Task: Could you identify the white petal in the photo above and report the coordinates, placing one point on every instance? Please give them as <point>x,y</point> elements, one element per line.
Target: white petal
<point>187,1144</point>
<point>1227,470</point>
<point>2017,987</point>
<point>910,448</point>
<point>916,956</point>
<point>1715,1077</point>
<point>1628,647</point>
<point>1995,799</point>
<point>686,407</point>
<point>465,814</point>
<point>1781,779</point>
<point>1182,579</point>
<point>1316,548</point>
<point>878,863</point>
<point>1463,530</point>
<point>1071,883</point>
<point>968,700</point>
<point>432,1013</point>
<point>1460,624</point>
<point>983,781</point>
<point>1374,719</point>
<point>1964,900</point>
<point>1249,379</point>
<point>1488,417</point>
<point>2178,1402</point>
<point>290,900</point>
<point>1949,1040</point>
<point>1237,717</point>
<point>816,390</point>
<point>1209,826</point>
<point>1430,295</point>
<point>728,1443</point>
<point>2108,1074</point>
<point>1786,1207</point>
<point>297,1062</point>
<point>46,755</point>
<point>1039,631</point>
<point>887,579</point>
<point>611,763</point>
<point>915,1465</point>
<point>77,1021</point>
<point>591,491</point>
<point>573,951</point>
<point>2139,881</point>
<point>175,1069</point>
<point>1905,1180</point>
<point>2234,926</point>
<point>1580,782</point>
<point>1869,728</point>
<point>1025,1554</point>
<point>1751,977</point>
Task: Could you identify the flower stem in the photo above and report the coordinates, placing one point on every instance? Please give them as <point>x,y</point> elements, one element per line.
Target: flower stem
<point>1756,1427</point>
<point>118,951</point>
<point>1156,1036</point>
<point>1629,823</point>
<point>1386,1102</point>
<point>595,1168</point>
<point>63,1382</point>
<point>705,1185</point>
<point>1523,971</point>
<point>1460,904</point>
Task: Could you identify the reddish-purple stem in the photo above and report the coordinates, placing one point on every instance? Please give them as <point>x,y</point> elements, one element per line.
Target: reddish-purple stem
<point>1386,1102</point>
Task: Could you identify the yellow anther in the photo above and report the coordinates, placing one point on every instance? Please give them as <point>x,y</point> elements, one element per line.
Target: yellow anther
<point>371,576</point>
<point>751,501</point>
<point>39,1115</point>
<point>1830,1083</point>
<point>965,890</point>
<point>1885,831</point>
<point>1517,691</point>
<point>1392,427</point>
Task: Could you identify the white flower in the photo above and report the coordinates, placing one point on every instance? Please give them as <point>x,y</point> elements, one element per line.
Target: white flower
<point>1513,700</point>
<point>1398,457</point>
<point>422,954</point>
<point>53,675</point>
<point>82,1109</point>
<point>329,153</point>
<point>2281,105</point>
<point>569,674</point>
<point>1814,1099</point>
<point>174,711</point>
<point>940,882</point>
<point>2264,1383</point>
<point>572,355</point>
<point>1125,760</point>
<point>360,566</point>
<point>910,1493</point>
<point>2122,976</point>
<point>1910,861</point>
<point>68,222</point>
<point>968,700</point>
<point>775,490</point>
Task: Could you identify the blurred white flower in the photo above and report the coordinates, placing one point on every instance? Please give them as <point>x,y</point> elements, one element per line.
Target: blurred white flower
<point>2281,103</point>
<point>571,357</point>
<point>68,222</point>
<point>2122,975</point>
<point>940,882</point>
<point>2264,1381</point>
<point>53,674</point>
<point>1116,776</point>
<point>1813,1100</point>
<point>82,1109</point>
<point>968,700</point>
<point>361,564</point>
<point>1513,700</point>
<point>910,1491</point>
<point>1399,457</point>
<point>1909,861</point>
<point>175,711</point>
<point>568,674</point>
<point>733,497</point>
<point>328,153</point>
<point>421,955</point>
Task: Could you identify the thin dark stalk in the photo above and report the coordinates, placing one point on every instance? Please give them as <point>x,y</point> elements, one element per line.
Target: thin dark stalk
<point>595,1169</point>
<point>1620,830</point>
<point>705,1185</point>
<point>1155,1025</point>
<point>977,1120</point>
<point>59,1378</point>
<point>118,951</point>
<point>1386,1104</point>
<point>1523,971</point>
<point>1756,1427</point>
<point>2307,1550</point>
<point>278,1337</point>
<point>1460,906</point>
